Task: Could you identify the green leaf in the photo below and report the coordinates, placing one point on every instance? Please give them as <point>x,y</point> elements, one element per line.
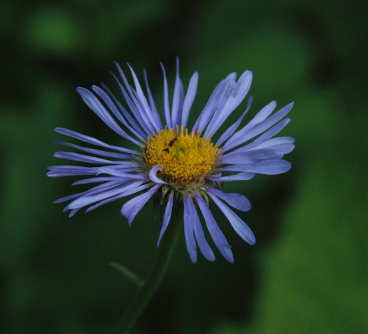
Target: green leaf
<point>127,273</point>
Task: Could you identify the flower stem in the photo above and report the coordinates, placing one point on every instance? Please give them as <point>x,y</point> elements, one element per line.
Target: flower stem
<point>146,292</point>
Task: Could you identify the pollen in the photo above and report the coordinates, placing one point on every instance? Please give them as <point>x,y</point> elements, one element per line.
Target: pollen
<point>186,159</point>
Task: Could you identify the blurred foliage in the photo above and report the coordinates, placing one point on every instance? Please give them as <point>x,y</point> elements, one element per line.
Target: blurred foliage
<point>308,272</point>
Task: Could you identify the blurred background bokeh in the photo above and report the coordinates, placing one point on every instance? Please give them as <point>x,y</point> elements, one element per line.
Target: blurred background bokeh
<point>308,272</point>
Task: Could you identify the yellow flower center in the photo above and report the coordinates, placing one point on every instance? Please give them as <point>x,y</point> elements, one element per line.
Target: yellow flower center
<point>185,158</point>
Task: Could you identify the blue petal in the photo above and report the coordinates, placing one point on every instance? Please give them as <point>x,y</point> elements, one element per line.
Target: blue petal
<point>92,140</point>
<point>133,126</point>
<point>153,175</point>
<point>72,213</point>
<point>260,116</point>
<point>237,95</point>
<point>69,170</point>
<point>67,198</point>
<point>239,157</point>
<point>216,234</point>
<point>221,102</point>
<point>282,149</point>
<point>199,234</point>
<point>283,145</point>
<point>90,199</point>
<point>189,98</point>
<point>84,158</point>
<point>231,178</point>
<point>189,231</point>
<point>131,99</point>
<point>177,103</point>
<point>245,134</point>
<point>265,136</point>
<point>143,103</point>
<point>240,227</point>
<point>166,98</point>
<point>111,105</point>
<point>94,180</point>
<point>121,172</point>
<point>167,217</point>
<point>95,105</point>
<point>118,196</point>
<point>135,119</point>
<point>213,102</point>
<point>237,201</point>
<point>277,141</point>
<point>131,208</point>
<point>95,190</point>
<point>231,129</point>
<point>267,167</point>
<point>116,170</point>
<point>152,101</point>
<point>96,151</point>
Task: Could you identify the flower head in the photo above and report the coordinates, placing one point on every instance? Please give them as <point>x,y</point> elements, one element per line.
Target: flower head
<point>181,163</point>
<point>184,159</point>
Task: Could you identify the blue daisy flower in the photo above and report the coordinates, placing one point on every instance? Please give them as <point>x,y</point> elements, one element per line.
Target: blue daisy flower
<point>181,163</point>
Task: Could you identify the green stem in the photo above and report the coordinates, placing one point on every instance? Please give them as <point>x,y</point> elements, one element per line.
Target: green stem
<point>146,292</point>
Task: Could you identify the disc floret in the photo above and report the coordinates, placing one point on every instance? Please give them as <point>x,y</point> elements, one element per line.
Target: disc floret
<point>185,158</point>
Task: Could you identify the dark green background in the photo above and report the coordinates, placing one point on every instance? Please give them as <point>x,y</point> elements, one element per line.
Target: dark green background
<point>308,272</point>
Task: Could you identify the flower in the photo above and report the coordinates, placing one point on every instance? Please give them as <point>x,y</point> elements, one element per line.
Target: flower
<point>182,164</point>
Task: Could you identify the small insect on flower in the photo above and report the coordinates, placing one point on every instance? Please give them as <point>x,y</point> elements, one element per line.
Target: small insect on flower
<point>184,163</point>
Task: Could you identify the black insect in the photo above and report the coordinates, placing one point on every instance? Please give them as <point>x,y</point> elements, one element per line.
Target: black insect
<point>171,143</point>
